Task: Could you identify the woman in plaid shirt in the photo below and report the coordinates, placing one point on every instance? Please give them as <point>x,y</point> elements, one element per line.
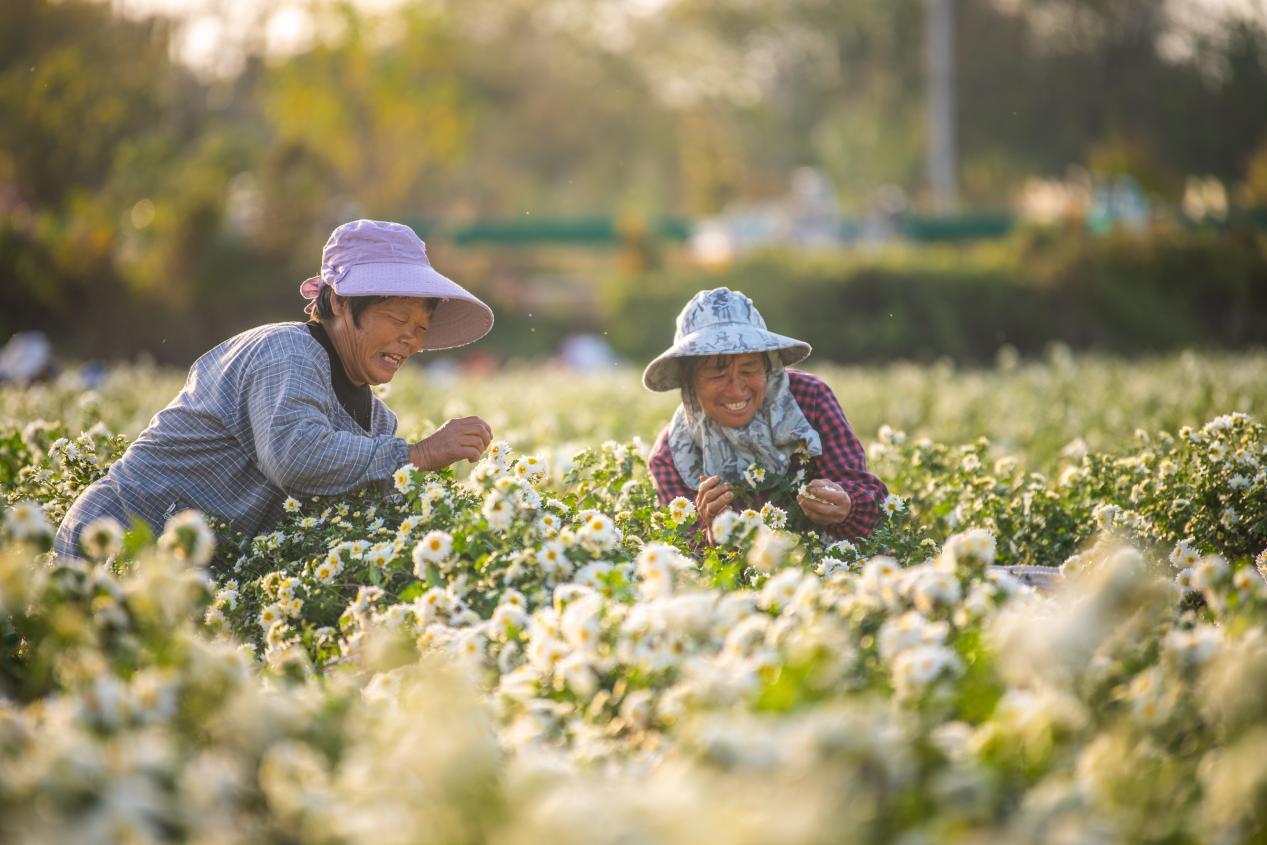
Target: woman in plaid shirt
<point>742,406</point>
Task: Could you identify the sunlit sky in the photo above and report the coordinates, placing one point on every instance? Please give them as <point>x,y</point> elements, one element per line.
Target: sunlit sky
<point>214,32</point>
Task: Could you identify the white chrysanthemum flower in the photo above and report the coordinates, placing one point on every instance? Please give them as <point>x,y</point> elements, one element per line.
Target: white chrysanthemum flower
<point>576,672</point>
<point>773,516</point>
<point>228,597</point>
<point>1217,451</point>
<point>754,474</point>
<point>1238,482</point>
<point>435,547</point>
<point>214,618</point>
<point>1184,554</point>
<point>907,631</point>
<point>432,493</point>
<point>530,466</point>
<point>747,633</point>
<point>102,538</point>
<point>844,548</point>
<point>595,575</point>
<point>770,549</point>
<point>916,668</point>
<point>970,463</point>
<point>403,478</point>
<point>723,527</point>
<point>829,566</point>
<point>328,570</point>
<point>1210,572</point>
<point>381,554</point>
<point>1246,581</point>
<point>356,549</point>
<point>973,549</point>
<point>779,589</point>
<point>681,509</point>
<point>1106,515</point>
<point>890,435</point>
<point>188,537</point>
<point>654,566</point>
<point>892,504</point>
<point>26,521</point>
<point>545,651</point>
<point>638,708</point>
<point>271,614</point>
<point>1195,646</point>
<point>599,533</point>
<point>553,560</point>
<point>1229,519</point>
<point>498,452</point>
<point>579,622</point>
<point>936,589</point>
<point>291,505</point>
<point>507,619</point>
<point>549,524</point>
<point>499,510</point>
<point>469,646</point>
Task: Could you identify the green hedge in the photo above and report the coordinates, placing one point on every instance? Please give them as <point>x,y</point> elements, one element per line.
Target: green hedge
<point>1127,293</point>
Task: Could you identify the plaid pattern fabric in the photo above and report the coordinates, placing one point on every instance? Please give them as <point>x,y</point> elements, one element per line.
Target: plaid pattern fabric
<point>257,420</point>
<point>843,460</point>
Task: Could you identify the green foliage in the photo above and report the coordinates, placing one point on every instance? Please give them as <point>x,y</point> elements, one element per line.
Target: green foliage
<point>176,209</point>
<point>468,657</point>
<point>1127,293</point>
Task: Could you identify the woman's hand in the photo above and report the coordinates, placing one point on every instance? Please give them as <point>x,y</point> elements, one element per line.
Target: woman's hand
<point>829,505</point>
<point>456,440</point>
<point>714,496</point>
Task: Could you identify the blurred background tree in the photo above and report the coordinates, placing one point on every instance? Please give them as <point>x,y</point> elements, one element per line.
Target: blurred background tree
<point>154,202</point>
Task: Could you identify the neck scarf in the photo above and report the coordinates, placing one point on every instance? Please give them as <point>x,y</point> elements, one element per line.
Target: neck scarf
<point>356,400</point>
<point>702,447</point>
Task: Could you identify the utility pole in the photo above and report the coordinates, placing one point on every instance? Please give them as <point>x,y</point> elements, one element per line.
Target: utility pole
<point>940,54</point>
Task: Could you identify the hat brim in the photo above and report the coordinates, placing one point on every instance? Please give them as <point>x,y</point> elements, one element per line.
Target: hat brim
<point>459,319</point>
<point>665,372</point>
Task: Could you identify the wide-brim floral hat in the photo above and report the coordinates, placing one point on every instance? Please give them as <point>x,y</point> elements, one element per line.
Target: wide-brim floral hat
<point>718,322</point>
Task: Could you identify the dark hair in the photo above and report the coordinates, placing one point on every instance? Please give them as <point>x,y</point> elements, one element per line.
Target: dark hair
<point>694,362</point>
<point>358,304</point>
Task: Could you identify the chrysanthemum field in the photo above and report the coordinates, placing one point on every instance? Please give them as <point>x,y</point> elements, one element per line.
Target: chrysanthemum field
<point>533,650</point>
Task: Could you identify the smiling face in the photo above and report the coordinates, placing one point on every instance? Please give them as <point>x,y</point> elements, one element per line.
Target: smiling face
<point>389,332</point>
<point>730,388</point>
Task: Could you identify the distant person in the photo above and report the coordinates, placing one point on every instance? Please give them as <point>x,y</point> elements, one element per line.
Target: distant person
<point>742,406</point>
<point>26,359</point>
<point>286,409</point>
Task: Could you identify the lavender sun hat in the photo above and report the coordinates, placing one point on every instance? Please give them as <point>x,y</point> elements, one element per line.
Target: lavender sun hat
<point>718,322</point>
<point>377,258</point>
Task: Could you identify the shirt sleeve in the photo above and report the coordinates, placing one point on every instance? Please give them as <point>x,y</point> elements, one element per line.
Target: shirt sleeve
<point>296,445</point>
<point>843,459</point>
<point>665,478</point>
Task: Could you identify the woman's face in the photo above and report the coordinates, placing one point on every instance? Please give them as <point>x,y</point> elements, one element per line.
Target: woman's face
<point>389,333</point>
<point>730,388</point>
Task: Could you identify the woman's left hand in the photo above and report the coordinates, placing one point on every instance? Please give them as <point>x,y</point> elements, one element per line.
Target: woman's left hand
<point>834,506</point>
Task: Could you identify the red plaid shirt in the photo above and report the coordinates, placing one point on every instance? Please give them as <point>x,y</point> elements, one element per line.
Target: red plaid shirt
<point>843,460</point>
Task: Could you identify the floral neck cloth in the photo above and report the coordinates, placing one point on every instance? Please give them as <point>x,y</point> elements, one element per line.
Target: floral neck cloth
<point>702,447</point>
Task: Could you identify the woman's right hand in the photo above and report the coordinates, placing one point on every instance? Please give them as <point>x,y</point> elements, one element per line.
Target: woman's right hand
<point>456,440</point>
<point>714,496</point>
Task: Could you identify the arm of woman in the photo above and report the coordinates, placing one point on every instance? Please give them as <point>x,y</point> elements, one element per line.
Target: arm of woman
<point>712,497</point>
<point>296,446</point>
<point>843,460</point>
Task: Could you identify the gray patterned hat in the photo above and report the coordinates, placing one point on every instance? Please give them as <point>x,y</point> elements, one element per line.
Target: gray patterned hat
<point>718,322</point>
